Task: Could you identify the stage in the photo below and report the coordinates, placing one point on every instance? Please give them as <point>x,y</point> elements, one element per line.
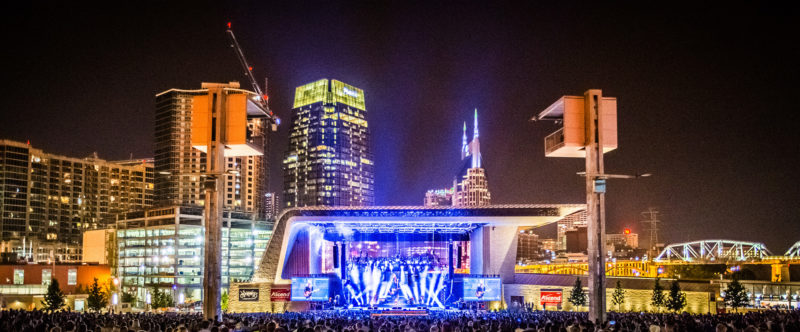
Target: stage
<point>420,258</point>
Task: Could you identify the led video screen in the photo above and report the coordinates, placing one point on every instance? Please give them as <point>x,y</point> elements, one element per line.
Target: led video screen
<point>309,289</point>
<point>482,289</point>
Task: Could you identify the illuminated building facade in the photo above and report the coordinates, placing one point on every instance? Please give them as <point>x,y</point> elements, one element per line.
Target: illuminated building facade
<point>273,205</point>
<point>367,247</point>
<point>439,197</point>
<point>470,186</point>
<point>163,247</point>
<point>473,188</point>
<point>570,223</point>
<point>626,238</point>
<point>25,285</point>
<point>48,200</point>
<point>329,160</point>
<point>529,248</point>
<point>179,166</point>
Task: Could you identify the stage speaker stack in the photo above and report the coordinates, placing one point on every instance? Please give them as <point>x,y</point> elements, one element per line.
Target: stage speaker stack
<point>458,261</point>
<point>335,256</point>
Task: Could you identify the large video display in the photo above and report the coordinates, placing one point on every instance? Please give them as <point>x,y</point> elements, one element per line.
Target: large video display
<point>310,289</point>
<point>482,289</point>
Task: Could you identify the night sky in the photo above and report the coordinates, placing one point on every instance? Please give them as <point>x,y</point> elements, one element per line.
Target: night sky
<point>707,95</point>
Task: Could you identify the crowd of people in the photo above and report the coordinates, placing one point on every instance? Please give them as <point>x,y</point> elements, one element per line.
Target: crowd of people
<point>363,321</point>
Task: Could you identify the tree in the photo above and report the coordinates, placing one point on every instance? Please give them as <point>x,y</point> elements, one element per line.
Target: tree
<point>167,300</point>
<point>54,299</point>
<point>129,298</point>
<point>577,296</point>
<point>658,299</point>
<point>735,295</point>
<point>80,289</point>
<point>97,298</point>
<point>160,299</point>
<point>677,299</point>
<point>110,287</point>
<point>223,305</point>
<point>618,298</point>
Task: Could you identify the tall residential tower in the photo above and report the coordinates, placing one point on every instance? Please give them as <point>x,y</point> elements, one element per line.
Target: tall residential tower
<point>329,160</point>
<point>48,200</point>
<point>179,166</point>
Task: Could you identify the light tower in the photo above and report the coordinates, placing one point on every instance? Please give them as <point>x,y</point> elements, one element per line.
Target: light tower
<point>219,129</point>
<point>589,129</point>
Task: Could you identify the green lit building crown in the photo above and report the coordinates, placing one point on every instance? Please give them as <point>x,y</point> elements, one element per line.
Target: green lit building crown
<point>329,160</point>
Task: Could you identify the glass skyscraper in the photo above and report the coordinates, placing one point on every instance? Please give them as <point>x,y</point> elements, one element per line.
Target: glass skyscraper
<point>329,160</point>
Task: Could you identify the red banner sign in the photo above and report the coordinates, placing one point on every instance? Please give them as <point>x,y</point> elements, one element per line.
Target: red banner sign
<point>280,294</point>
<point>551,297</point>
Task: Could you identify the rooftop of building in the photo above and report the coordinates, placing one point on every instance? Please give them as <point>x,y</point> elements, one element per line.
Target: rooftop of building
<point>95,159</point>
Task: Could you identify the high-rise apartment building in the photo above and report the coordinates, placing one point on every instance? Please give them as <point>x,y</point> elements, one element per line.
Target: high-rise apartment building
<point>529,248</point>
<point>48,200</point>
<point>273,205</point>
<point>329,160</point>
<point>179,167</point>
<point>570,223</point>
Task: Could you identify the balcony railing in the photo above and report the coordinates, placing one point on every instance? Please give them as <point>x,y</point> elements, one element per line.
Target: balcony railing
<point>554,141</point>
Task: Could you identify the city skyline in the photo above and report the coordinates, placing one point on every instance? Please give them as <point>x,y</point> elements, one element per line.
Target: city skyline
<point>696,96</point>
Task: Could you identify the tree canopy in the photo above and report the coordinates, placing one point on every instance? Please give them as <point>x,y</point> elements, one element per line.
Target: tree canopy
<point>54,299</point>
<point>577,296</point>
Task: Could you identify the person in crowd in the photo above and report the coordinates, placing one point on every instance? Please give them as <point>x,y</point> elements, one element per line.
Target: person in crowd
<point>363,321</point>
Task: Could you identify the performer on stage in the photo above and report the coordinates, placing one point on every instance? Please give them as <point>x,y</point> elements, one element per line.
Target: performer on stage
<point>480,290</point>
<point>309,290</point>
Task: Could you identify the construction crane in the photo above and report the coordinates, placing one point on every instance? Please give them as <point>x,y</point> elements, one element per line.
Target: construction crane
<point>248,71</point>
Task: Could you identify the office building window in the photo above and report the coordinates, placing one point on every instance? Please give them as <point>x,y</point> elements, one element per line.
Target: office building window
<point>47,276</point>
<point>72,277</point>
<point>19,277</point>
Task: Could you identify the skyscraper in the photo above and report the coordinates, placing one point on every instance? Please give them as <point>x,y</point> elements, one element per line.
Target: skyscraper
<point>273,206</point>
<point>147,238</point>
<point>49,200</point>
<point>329,160</point>
<point>179,166</point>
<point>470,187</point>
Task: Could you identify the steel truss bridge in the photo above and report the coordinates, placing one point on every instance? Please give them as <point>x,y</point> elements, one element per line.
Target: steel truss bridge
<point>688,253</point>
<point>794,251</point>
<point>714,250</point>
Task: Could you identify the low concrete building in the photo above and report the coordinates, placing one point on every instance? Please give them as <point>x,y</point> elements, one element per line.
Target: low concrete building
<point>551,291</point>
<point>23,286</point>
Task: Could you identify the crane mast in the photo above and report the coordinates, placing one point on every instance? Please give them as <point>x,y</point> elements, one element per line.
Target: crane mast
<point>248,71</point>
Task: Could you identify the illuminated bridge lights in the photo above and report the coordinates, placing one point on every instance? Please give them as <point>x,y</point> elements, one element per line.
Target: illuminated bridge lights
<point>794,251</point>
<point>713,250</point>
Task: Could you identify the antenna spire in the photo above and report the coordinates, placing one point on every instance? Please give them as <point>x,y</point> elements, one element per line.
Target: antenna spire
<point>475,129</point>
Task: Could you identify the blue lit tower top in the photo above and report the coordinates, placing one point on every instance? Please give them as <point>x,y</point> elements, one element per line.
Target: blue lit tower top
<point>464,147</point>
<point>475,145</point>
